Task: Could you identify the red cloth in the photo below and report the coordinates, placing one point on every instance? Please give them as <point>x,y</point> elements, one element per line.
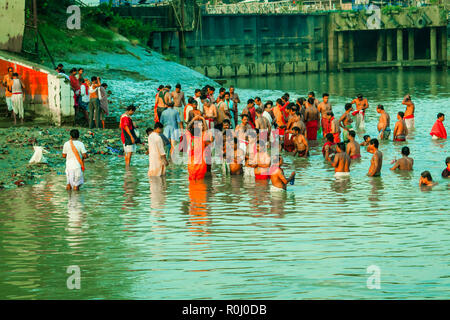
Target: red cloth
<point>288,143</point>
<point>252,113</point>
<point>337,137</point>
<point>326,126</point>
<point>411,116</point>
<point>328,143</point>
<point>74,83</point>
<point>156,108</point>
<point>262,176</point>
<point>355,156</point>
<point>438,130</point>
<point>311,129</point>
<point>197,166</point>
<point>125,121</point>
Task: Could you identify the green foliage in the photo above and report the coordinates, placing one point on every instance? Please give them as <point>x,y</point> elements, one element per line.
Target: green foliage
<point>391,9</point>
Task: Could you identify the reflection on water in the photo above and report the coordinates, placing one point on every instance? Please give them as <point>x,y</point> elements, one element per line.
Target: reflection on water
<point>231,238</point>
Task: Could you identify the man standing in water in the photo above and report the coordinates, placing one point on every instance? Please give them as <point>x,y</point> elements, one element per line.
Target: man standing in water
<point>438,130</point>
<point>353,148</point>
<point>405,163</point>
<point>235,98</point>
<point>7,83</point>
<point>377,159</point>
<point>128,136</point>
<point>383,126</point>
<point>74,152</point>
<point>324,107</point>
<point>312,117</point>
<point>178,100</point>
<point>361,106</point>
<point>251,112</point>
<point>400,129</point>
<point>156,154</point>
<point>409,112</point>
<point>345,121</point>
<point>341,162</point>
<point>335,129</point>
<point>277,177</point>
<point>170,118</point>
<point>300,143</point>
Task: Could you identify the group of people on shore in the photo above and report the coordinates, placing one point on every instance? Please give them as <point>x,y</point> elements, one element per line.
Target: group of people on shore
<point>90,96</point>
<point>249,143</point>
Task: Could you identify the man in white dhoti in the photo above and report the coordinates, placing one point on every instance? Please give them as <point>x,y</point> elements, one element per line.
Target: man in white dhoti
<point>156,153</point>
<point>17,97</point>
<point>74,152</point>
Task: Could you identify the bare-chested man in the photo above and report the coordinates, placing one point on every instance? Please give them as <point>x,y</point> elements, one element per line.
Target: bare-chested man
<point>345,121</point>
<point>241,132</point>
<point>312,117</point>
<point>300,143</point>
<point>405,162</point>
<point>409,112</point>
<point>295,120</point>
<point>335,129</point>
<point>341,162</point>
<point>353,148</point>
<point>235,162</point>
<point>262,124</point>
<point>329,148</point>
<point>383,126</point>
<point>377,159</point>
<point>277,177</point>
<point>324,107</point>
<point>209,112</point>
<point>262,161</point>
<point>361,106</point>
<point>164,98</point>
<point>400,129</point>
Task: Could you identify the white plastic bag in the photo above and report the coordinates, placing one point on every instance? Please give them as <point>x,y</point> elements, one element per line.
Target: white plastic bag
<point>38,156</point>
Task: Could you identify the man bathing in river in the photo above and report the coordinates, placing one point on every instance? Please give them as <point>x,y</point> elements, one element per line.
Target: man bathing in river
<point>377,159</point>
<point>329,149</point>
<point>262,161</point>
<point>405,163</point>
<point>426,180</point>
<point>300,143</point>
<point>353,148</point>
<point>335,129</point>
<point>400,129</point>
<point>312,118</point>
<point>341,162</point>
<point>345,121</point>
<point>324,107</point>
<point>409,112</point>
<point>75,153</point>
<point>156,153</point>
<point>383,126</point>
<point>277,177</point>
<point>361,106</point>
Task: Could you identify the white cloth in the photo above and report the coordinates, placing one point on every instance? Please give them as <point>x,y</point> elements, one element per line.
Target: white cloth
<point>199,104</point>
<point>360,123</point>
<point>130,148</point>
<point>276,189</point>
<point>267,116</point>
<point>249,172</point>
<point>17,104</point>
<point>71,160</point>
<point>9,103</point>
<point>38,156</point>
<point>156,167</point>
<point>74,177</point>
<point>84,95</point>
<point>341,174</point>
<point>409,123</point>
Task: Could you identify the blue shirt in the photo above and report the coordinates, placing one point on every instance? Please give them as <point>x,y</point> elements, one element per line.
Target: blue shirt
<point>170,118</point>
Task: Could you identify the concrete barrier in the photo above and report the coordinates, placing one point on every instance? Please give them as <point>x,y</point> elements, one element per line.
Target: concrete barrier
<point>48,95</point>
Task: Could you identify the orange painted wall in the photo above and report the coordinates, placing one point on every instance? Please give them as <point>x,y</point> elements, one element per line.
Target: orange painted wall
<point>35,81</point>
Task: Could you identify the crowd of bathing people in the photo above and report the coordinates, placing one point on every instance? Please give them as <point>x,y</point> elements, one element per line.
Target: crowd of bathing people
<point>248,140</point>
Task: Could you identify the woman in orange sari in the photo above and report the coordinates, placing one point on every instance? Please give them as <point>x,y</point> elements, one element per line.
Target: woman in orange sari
<point>197,139</point>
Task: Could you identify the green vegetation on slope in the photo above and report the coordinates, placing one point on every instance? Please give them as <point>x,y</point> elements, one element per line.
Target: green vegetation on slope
<point>99,28</point>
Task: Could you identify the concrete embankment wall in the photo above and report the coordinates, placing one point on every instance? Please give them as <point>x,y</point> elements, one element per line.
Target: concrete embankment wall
<point>48,95</point>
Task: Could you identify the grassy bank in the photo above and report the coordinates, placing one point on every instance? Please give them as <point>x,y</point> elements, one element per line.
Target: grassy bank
<point>101,30</point>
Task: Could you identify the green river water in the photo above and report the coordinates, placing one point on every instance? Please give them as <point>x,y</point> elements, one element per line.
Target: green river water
<point>227,238</point>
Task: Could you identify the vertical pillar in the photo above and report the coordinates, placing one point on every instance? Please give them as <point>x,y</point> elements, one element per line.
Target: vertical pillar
<point>340,49</point>
<point>411,44</point>
<point>381,45</point>
<point>390,50</point>
<point>351,47</point>
<point>433,46</point>
<point>164,42</point>
<point>400,47</point>
<point>444,47</point>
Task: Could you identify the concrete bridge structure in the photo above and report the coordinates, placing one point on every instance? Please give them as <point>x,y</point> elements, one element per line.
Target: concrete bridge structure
<point>282,37</point>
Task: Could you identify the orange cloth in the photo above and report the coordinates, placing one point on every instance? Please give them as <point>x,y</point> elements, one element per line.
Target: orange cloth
<point>77,155</point>
<point>197,166</point>
<point>9,83</point>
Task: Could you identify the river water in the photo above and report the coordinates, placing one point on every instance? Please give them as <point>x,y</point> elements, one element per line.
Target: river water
<point>228,238</point>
